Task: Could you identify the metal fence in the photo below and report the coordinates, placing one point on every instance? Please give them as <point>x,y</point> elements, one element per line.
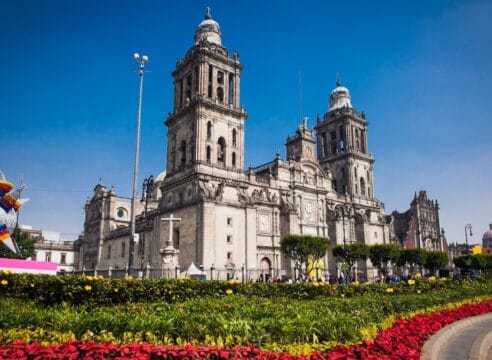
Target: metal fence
<point>239,274</point>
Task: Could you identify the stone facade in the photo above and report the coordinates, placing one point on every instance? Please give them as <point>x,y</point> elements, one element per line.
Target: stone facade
<point>232,220</point>
<point>419,226</point>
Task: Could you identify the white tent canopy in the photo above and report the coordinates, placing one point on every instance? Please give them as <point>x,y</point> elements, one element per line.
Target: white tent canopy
<point>193,271</point>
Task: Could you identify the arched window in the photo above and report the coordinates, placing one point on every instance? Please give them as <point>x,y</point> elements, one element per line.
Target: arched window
<point>355,172</point>
<point>362,186</point>
<point>234,137</point>
<point>220,94</point>
<point>233,159</point>
<point>357,189</point>
<point>182,150</point>
<point>209,129</point>
<point>368,191</point>
<point>209,154</point>
<point>221,151</point>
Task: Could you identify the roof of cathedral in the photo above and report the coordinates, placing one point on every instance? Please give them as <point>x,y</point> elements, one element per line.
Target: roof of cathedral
<point>208,30</point>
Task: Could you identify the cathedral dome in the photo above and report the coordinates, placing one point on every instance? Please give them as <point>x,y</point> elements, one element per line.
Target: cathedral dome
<point>340,97</point>
<point>208,30</point>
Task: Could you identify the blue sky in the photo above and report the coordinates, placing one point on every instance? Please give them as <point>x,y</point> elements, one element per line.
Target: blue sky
<point>420,70</point>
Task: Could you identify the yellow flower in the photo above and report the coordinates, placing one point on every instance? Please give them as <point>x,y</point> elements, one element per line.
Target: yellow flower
<point>4,282</point>
<point>90,278</point>
<point>389,290</point>
<point>343,295</point>
<point>87,288</point>
<point>418,291</point>
<point>232,281</point>
<point>116,290</point>
<point>432,279</point>
<point>315,283</point>
<point>229,291</point>
<point>411,282</point>
<point>418,276</point>
<point>356,282</point>
<point>32,285</point>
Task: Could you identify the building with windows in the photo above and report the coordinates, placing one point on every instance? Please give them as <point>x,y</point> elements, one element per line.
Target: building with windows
<point>208,209</point>
<point>50,247</point>
<point>419,226</point>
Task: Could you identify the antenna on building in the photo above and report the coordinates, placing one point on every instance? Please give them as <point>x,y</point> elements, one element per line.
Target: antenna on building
<point>339,80</point>
<point>299,73</point>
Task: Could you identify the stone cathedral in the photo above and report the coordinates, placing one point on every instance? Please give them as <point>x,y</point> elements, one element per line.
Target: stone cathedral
<point>229,218</point>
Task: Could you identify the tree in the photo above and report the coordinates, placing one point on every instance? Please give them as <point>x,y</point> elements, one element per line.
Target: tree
<point>304,249</point>
<point>350,254</point>
<point>412,258</point>
<point>436,260</point>
<point>24,243</point>
<point>471,262</point>
<point>382,255</point>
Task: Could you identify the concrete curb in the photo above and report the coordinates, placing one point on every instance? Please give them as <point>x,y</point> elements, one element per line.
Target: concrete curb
<point>433,347</point>
<point>481,345</point>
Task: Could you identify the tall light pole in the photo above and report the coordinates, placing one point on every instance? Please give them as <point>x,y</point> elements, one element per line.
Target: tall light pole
<point>468,229</point>
<point>143,60</point>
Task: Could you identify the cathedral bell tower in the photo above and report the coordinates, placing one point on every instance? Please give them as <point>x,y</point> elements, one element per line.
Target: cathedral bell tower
<point>206,128</point>
<point>342,146</point>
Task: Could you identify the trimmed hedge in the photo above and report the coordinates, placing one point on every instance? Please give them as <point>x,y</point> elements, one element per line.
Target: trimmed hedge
<point>76,290</point>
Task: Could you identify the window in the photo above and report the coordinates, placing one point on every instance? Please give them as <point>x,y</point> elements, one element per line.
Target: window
<point>229,221</point>
<point>181,93</point>
<point>233,159</point>
<point>208,154</point>
<point>234,137</point>
<point>196,79</point>
<point>182,150</point>
<point>210,73</point>
<point>231,88</point>
<point>355,172</point>
<point>63,259</point>
<point>188,87</point>
<point>209,91</point>
<point>108,256</point>
<point>209,129</point>
<point>220,94</point>
<point>220,77</point>
<point>221,148</point>
<point>229,239</point>
<point>33,257</point>
<point>123,249</point>
<point>229,256</point>
<point>176,235</point>
<point>343,173</point>
<point>47,256</point>
<point>375,234</point>
<point>362,186</point>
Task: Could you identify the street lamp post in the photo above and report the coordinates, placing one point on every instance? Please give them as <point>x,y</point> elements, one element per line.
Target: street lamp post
<point>468,229</point>
<point>147,189</point>
<point>143,60</point>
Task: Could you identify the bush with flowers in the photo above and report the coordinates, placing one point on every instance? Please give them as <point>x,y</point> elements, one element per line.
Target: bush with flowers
<point>276,318</point>
<point>402,340</point>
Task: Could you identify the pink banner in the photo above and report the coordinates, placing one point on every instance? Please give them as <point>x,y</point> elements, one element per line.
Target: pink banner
<point>38,267</point>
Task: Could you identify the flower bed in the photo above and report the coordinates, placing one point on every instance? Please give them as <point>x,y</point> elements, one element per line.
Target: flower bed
<point>403,340</point>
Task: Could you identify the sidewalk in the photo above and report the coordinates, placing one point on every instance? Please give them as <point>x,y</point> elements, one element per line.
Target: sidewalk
<point>468,339</point>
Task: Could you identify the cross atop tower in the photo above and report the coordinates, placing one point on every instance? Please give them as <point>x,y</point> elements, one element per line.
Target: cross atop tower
<point>208,15</point>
